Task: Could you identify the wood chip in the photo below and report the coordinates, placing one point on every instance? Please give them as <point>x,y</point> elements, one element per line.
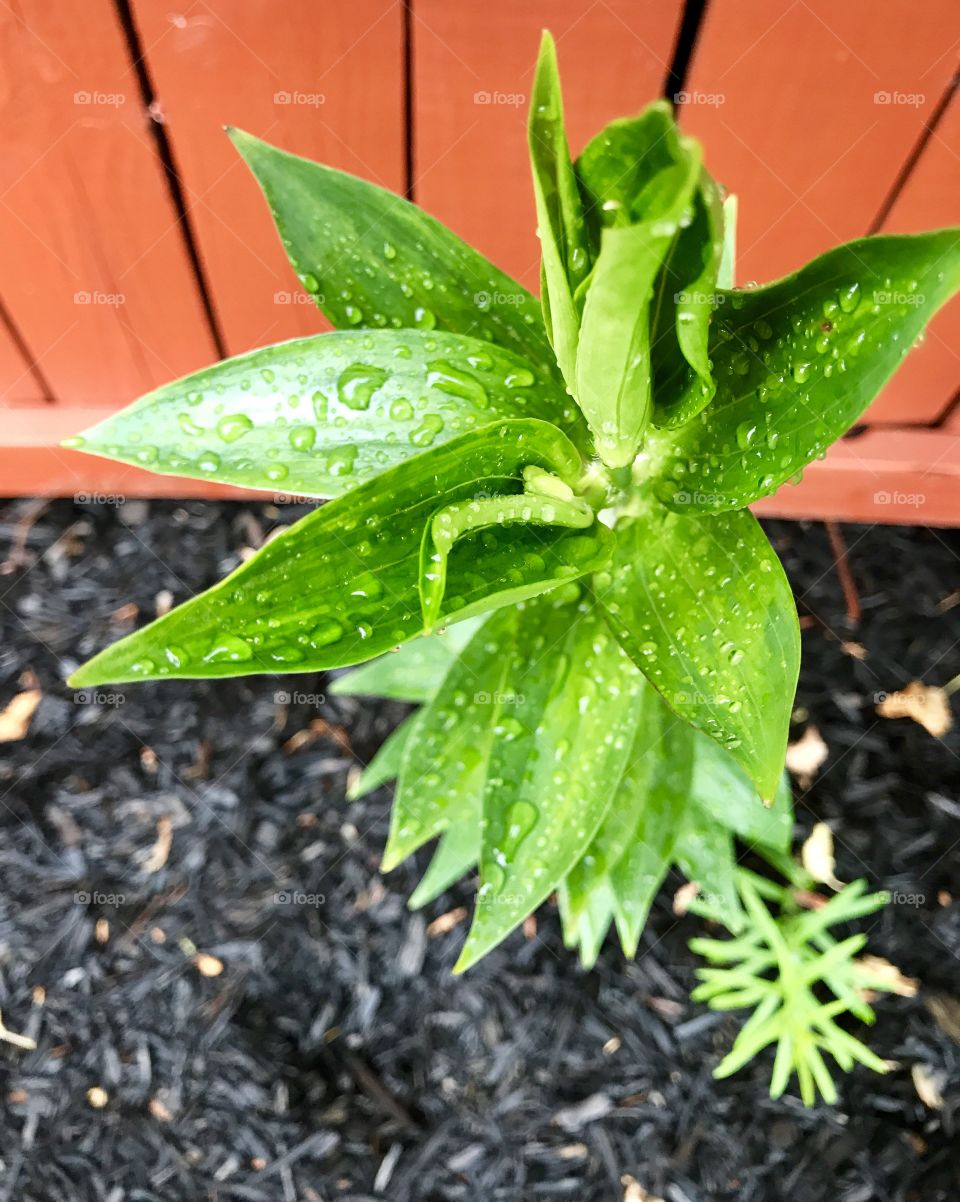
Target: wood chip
<point>925,704</point>
<point>446,922</point>
<point>817,856</point>
<point>854,650</point>
<point>15,719</point>
<point>805,757</point>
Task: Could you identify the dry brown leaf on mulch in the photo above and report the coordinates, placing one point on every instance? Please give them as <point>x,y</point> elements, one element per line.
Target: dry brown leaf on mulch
<point>817,856</point>
<point>805,757</point>
<point>15,719</point>
<point>926,704</point>
<point>633,1191</point>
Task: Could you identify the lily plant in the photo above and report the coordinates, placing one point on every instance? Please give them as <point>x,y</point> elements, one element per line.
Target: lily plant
<point>544,505</point>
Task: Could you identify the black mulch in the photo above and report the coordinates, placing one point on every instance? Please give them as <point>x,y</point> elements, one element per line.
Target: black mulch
<point>334,1056</point>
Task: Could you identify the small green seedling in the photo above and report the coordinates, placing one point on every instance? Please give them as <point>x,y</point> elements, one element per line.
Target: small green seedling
<point>564,484</point>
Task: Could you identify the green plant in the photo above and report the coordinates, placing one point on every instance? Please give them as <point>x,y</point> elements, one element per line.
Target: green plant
<point>778,965</point>
<point>562,484</point>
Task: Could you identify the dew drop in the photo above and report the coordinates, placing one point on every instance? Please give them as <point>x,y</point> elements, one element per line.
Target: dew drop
<point>234,426</point>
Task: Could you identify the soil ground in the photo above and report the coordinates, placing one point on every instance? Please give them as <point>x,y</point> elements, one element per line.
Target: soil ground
<point>229,1002</point>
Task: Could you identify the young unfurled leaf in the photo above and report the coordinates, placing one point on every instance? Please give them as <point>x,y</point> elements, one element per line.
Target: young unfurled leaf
<point>798,361</point>
<point>464,517</point>
<point>340,586</point>
<point>561,748</point>
<point>414,671</point>
<point>685,296</point>
<point>639,176</point>
<point>559,210</point>
<point>726,272</point>
<point>370,258</point>
<point>318,416</point>
<point>445,761</point>
<point>703,606</point>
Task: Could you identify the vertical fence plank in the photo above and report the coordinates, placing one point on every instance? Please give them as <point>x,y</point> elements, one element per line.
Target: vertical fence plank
<point>473,69</point>
<point>808,110</point>
<point>321,80</point>
<point>94,268</point>
<point>930,378</point>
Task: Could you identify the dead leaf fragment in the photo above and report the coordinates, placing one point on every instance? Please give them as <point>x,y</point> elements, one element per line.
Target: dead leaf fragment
<point>15,719</point>
<point>929,1085</point>
<point>161,849</point>
<point>806,756</point>
<point>18,1041</point>
<point>817,856</point>
<point>891,976</point>
<point>926,704</point>
<point>446,922</point>
<point>684,896</point>
<point>207,965</point>
<point>633,1191</point>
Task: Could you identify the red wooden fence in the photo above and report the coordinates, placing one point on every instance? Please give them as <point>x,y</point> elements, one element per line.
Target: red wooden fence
<point>136,247</point>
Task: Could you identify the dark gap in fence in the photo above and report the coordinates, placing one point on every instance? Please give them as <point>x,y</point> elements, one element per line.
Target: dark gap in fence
<point>952,407</point>
<point>929,129</point>
<point>33,368</point>
<point>164,150</point>
<point>690,25</point>
<point>409,159</point>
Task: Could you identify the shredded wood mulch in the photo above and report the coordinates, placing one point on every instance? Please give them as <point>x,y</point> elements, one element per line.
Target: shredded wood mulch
<point>228,1002</point>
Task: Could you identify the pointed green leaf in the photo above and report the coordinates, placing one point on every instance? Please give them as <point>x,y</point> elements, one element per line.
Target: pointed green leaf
<point>445,762</point>
<point>686,295</point>
<point>340,586</point>
<point>453,522</point>
<point>385,765</point>
<point>705,853</point>
<point>640,176</point>
<point>588,928</point>
<point>703,606</point>
<point>798,361</point>
<point>559,210</point>
<point>560,745</point>
<point>412,672</point>
<point>724,793</point>
<point>370,258</point>
<point>619,827</point>
<point>319,416</point>
<point>457,853</point>
<point>638,874</point>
